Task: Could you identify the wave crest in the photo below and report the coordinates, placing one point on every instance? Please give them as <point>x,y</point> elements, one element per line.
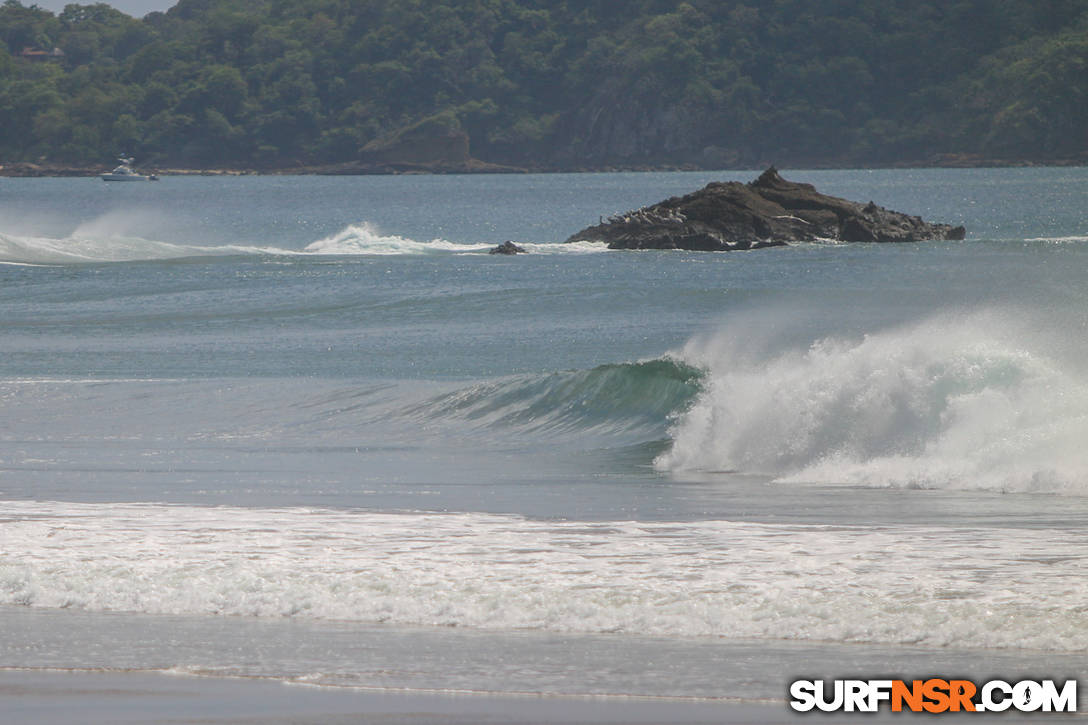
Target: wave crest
<point>618,398</point>
<point>365,239</point>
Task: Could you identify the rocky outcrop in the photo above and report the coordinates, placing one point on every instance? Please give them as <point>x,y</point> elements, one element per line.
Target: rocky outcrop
<point>508,247</point>
<point>767,212</point>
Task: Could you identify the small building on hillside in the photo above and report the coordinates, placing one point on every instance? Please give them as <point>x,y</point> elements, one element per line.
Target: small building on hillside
<point>37,54</point>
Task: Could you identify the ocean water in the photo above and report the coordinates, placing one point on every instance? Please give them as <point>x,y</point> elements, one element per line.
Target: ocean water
<point>307,429</point>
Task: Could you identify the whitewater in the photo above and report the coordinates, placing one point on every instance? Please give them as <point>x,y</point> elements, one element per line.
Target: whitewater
<point>84,246</point>
<point>960,402</point>
<point>500,572</point>
<point>309,430</point>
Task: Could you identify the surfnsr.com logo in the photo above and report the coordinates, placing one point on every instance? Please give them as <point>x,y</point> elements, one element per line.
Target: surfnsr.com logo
<point>933,695</point>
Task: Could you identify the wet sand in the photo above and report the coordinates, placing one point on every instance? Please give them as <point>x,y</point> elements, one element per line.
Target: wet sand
<point>53,697</point>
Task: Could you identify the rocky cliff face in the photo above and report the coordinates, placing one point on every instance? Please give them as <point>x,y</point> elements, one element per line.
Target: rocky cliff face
<point>614,128</point>
<point>769,211</point>
<point>425,143</point>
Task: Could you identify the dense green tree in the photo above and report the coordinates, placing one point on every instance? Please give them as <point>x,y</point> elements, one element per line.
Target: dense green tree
<point>547,83</point>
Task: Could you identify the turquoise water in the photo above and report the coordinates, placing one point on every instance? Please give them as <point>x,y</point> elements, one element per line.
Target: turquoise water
<point>250,407</point>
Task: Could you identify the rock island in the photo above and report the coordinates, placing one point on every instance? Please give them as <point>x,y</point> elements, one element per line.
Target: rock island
<point>767,212</point>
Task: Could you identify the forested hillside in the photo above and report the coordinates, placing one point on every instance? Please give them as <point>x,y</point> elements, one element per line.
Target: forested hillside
<point>547,84</point>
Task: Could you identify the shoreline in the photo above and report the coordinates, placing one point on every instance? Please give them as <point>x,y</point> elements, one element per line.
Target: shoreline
<point>17,170</point>
<point>54,697</point>
<point>116,667</point>
<point>59,697</point>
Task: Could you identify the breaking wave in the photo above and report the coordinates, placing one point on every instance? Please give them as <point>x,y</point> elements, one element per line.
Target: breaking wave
<point>974,402</point>
<point>365,239</point>
<point>101,242</point>
<point>619,398</point>
<point>629,403</point>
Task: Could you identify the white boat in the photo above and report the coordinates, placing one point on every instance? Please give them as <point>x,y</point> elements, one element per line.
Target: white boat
<point>124,172</point>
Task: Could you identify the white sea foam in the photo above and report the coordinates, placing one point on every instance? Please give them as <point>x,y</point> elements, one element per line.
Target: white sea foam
<point>365,239</point>
<point>969,402</point>
<point>1074,239</point>
<point>571,248</point>
<point>109,240</point>
<point>77,249</point>
<point>932,586</point>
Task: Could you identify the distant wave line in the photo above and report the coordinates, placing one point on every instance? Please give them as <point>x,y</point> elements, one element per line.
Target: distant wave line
<point>354,240</point>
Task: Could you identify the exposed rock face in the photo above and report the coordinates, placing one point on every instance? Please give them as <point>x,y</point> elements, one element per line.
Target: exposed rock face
<point>508,247</point>
<point>626,124</point>
<point>433,140</point>
<point>437,144</point>
<point>767,212</point>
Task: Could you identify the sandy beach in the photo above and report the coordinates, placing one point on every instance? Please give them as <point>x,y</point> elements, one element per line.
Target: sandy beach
<point>53,697</point>
<point>62,698</point>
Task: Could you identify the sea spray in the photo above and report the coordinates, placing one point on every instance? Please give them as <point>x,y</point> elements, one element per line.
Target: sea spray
<point>971,401</point>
